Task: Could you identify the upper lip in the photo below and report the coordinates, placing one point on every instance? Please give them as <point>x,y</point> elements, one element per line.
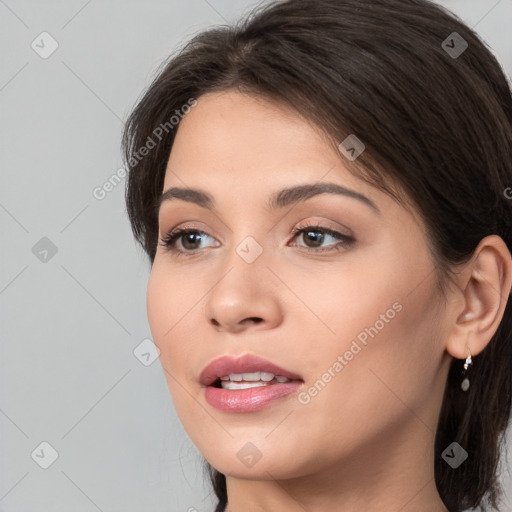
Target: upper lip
<point>247,363</point>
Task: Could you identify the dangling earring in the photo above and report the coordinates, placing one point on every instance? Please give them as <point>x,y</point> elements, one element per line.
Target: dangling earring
<point>467,366</point>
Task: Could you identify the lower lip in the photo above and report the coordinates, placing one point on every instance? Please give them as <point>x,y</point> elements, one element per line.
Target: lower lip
<point>248,400</point>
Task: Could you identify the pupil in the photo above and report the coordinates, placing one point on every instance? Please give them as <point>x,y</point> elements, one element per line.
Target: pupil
<point>316,236</point>
<point>189,237</point>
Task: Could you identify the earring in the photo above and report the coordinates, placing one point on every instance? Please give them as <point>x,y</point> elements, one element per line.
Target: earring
<point>467,366</point>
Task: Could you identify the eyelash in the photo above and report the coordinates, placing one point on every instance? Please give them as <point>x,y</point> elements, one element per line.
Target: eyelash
<point>168,242</point>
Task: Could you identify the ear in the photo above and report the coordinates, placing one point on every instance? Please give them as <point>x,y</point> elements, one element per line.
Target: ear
<point>485,284</point>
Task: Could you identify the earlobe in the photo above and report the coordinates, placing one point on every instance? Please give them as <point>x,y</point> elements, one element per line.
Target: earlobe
<point>486,286</point>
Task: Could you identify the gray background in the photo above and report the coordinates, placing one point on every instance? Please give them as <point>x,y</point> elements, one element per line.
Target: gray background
<point>71,320</point>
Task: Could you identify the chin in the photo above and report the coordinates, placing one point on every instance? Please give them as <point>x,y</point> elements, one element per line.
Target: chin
<point>249,463</point>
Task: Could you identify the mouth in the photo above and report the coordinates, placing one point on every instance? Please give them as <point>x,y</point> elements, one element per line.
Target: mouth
<point>247,383</point>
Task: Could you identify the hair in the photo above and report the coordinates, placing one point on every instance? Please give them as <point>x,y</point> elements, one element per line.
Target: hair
<point>436,127</point>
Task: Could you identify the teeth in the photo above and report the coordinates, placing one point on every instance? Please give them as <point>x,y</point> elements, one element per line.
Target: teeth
<point>253,377</point>
<point>243,385</point>
<point>250,380</point>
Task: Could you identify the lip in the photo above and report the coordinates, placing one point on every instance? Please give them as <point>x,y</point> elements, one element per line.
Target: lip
<point>245,400</point>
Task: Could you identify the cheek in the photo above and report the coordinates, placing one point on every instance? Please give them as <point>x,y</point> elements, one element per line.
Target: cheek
<point>156,305</point>
<point>171,309</point>
<point>382,322</point>
<point>165,307</point>
<point>392,351</point>
<point>375,386</point>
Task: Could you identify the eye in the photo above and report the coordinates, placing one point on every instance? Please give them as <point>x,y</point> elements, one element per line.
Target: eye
<point>316,235</point>
<point>188,238</point>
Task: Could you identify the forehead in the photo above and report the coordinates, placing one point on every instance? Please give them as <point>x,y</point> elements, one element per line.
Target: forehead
<point>238,136</point>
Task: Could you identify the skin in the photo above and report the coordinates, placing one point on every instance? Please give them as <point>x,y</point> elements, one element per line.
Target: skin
<point>365,441</point>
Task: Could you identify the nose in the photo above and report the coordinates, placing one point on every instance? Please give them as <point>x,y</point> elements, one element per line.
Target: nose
<point>245,296</point>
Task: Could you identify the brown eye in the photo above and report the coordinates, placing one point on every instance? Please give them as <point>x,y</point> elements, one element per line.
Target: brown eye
<point>189,240</point>
<point>315,236</point>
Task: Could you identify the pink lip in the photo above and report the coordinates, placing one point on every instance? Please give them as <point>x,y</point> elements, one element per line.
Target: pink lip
<point>245,400</point>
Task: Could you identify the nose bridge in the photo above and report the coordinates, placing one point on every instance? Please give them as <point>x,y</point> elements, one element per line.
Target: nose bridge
<point>245,265</point>
<point>247,238</point>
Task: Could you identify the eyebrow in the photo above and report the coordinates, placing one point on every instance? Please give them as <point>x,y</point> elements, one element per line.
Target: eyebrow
<point>278,200</point>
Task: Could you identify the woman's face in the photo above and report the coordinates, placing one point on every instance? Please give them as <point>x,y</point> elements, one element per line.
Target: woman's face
<point>355,316</point>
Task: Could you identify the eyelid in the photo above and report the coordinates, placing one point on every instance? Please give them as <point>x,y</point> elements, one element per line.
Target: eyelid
<point>325,226</point>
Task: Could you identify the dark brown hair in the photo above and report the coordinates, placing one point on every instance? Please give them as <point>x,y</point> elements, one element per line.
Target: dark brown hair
<point>436,125</point>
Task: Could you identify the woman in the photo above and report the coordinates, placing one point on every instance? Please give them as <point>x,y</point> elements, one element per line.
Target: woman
<point>324,194</point>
